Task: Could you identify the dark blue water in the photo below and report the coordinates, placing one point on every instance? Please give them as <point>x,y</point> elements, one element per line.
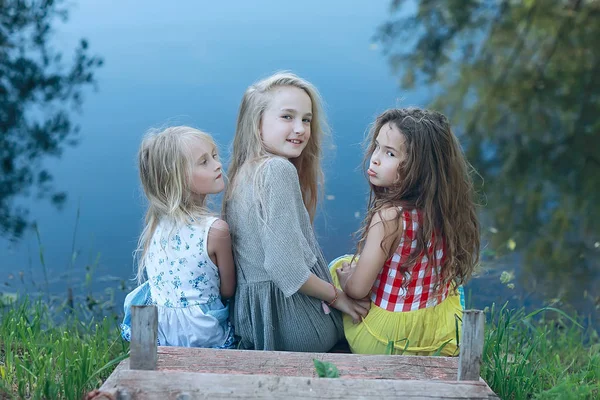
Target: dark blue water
<point>189,63</point>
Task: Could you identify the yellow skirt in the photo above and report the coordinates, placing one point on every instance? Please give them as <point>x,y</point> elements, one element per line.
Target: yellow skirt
<point>423,332</point>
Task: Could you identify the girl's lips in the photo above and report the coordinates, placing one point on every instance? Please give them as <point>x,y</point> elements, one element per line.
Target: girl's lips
<point>219,176</point>
<point>370,172</point>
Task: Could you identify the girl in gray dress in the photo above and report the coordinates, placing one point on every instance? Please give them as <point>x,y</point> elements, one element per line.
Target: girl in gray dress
<point>284,290</point>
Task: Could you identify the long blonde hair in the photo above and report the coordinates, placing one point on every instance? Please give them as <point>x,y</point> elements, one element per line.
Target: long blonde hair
<point>165,170</point>
<point>435,179</point>
<point>248,146</point>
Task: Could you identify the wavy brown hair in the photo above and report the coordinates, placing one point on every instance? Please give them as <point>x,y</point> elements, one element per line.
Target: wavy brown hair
<point>435,179</point>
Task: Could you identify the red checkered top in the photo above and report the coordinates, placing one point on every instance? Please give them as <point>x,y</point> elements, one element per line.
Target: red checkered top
<point>389,293</point>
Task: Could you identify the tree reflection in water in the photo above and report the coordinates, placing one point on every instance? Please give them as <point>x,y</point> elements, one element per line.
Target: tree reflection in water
<point>521,83</point>
<point>37,92</point>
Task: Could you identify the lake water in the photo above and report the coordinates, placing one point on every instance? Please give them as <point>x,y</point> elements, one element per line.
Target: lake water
<point>189,62</point>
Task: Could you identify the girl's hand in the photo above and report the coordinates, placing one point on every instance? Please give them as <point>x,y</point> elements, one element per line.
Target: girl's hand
<point>365,302</point>
<point>351,307</point>
<point>345,273</point>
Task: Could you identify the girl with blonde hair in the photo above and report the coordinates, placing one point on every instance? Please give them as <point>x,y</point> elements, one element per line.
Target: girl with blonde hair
<point>184,250</point>
<point>419,241</point>
<point>284,288</point>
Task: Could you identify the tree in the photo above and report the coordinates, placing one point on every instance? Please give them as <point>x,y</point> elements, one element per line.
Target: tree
<point>520,82</point>
<point>37,91</point>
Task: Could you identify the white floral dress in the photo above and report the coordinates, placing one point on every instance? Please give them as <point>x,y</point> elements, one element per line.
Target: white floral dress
<point>184,284</point>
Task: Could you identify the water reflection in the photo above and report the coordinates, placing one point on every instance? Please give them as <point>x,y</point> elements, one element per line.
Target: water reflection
<point>37,91</point>
<point>520,81</point>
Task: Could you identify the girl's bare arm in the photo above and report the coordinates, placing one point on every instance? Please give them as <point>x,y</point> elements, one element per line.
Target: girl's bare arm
<point>219,250</point>
<point>373,256</point>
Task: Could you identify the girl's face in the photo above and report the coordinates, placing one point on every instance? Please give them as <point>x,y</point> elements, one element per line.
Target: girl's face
<point>390,151</point>
<point>207,177</point>
<point>285,124</point>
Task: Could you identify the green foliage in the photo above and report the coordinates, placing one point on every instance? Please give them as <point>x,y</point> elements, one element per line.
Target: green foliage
<point>519,82</point>
<point>37,90</point>
<point>389,349</point>
<point>58,347</point>
<point>41,359</point>
<point>326,369</point>
<point>393,347</point>
<point>542,355</point>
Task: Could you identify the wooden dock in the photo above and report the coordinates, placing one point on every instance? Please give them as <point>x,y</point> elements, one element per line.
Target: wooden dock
<point>191,373</point>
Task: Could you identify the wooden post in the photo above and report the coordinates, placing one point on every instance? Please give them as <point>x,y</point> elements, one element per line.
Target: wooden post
<point>144,331</point>
<point>471,345</point>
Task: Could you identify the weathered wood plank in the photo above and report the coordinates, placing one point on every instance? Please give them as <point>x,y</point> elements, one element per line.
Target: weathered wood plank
<point>471,346</point>
<point>113,379</point>
<point>301,364</point>
<point>144,331</point>
<point>182,385</point>
<point>111,389</point>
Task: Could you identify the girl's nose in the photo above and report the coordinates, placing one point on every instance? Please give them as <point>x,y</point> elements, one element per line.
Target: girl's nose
<point>299,128</point>
<point>374,159</point>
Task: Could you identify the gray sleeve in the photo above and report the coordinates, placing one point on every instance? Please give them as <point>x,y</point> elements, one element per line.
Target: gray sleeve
<point>287,252</point>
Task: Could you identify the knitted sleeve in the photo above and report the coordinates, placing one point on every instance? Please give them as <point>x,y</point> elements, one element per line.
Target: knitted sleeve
<point>287,255</point>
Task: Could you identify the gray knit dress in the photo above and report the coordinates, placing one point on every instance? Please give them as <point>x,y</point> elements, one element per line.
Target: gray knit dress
<point>275,250</point>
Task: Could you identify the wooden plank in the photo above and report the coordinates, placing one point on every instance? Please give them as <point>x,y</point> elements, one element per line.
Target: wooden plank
<point>471,346</point>
<point>144,331</point>
<point>183,385</point>
<point>301,364</point>
<point>113,379</point>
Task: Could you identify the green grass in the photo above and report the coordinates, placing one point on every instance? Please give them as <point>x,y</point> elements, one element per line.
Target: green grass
<point>42,359</point>
<point>541,355</point>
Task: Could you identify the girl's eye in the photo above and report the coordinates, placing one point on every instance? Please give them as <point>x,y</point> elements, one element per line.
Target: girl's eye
<point>307,120</point>
<point>215,156</point>
<point>389,153</point>
<point>286,117</point>
<point>203,162</point>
